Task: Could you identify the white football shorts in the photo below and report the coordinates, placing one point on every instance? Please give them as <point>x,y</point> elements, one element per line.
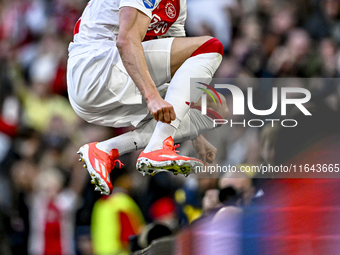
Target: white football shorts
<point>100,89</point>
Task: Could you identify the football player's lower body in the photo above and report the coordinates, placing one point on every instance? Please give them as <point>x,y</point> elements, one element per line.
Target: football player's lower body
<point>101,92</point>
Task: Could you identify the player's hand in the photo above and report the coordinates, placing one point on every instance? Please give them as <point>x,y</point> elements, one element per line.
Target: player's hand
<point>205,150</point>
<point>161,110</point>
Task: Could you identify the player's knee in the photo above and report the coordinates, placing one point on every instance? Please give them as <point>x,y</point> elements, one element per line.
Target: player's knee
<point>209,45</point>
<point>205,38</point>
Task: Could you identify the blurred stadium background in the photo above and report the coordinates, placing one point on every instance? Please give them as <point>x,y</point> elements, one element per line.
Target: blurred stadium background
<point>48,206</point>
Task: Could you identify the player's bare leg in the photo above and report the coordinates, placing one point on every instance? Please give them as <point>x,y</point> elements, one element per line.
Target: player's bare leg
<point>183,48</point>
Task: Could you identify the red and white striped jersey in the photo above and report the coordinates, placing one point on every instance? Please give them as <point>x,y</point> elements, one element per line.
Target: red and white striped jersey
<point>52,223</point>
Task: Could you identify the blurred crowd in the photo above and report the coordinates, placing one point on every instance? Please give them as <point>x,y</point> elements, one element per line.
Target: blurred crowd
<point>48,206</point>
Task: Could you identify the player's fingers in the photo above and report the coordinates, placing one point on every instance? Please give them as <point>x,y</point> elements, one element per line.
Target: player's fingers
<point>160,115</point>
<point>203,157</point>
<point>154,114</point>
<point>172,113</point>
<point>166,115</point>
<point>211,156</point>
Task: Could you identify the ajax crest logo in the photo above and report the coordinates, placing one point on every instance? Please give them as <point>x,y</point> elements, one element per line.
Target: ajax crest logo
<point>170,10</point>
<point>149,4</point>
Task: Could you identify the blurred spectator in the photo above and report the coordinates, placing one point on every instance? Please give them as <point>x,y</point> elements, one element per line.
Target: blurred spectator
<point>228,196</point>
<point>40,105</point>
<point>49,209</point>
<point>161,185</point>
<point>9,104</point>
<point>210,200</point>
<point>325,62</point>
<point>52,212</point>
<point>164,211</point>
<point>115,218</point>
<point>241,183</point>
<point>189,197</point>
<point>291,60</point>
<point>325,20</point>
<point>150,233</point>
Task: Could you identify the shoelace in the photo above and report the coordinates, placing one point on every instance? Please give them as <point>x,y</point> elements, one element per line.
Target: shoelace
<point>119,162</point>
<point>175,147</point>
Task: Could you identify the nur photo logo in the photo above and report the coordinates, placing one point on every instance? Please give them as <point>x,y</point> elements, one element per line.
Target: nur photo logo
<point>281,98</point>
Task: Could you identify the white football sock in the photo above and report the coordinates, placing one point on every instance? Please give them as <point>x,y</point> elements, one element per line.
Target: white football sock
<point>179,93</point>
<point>123,143</point>
<point>130,141</point>
<point>201,67</point>
<point>162,131</point>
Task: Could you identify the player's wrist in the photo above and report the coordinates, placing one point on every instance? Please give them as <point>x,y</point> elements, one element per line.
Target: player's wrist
<point>151,96</point>
<point>197,139</point>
